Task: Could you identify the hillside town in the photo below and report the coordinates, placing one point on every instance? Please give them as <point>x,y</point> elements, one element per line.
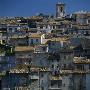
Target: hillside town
<point>45,52</point>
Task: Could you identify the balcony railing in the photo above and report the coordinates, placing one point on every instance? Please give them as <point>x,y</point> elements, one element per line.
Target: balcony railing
<point>81,60</point>
<point>55,88</point>
<point>74,71</point>
<point>18,71</point>
<point>55,78</point>
<point>34,77</point>
<point>23,57</point>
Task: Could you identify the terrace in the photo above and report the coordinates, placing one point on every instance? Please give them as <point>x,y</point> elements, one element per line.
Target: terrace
<point>81,60</point>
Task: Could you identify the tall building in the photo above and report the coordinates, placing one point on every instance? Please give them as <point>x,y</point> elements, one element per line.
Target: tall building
<point>60,10</point>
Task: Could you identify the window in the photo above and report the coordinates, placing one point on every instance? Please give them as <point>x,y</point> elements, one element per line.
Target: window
<point>53,27</point>
<point>29,54</point>
<point>52,60</point>
<point>60,83</point>
<point>64,65</point>
<point>46,26</point>
<point>57,60</point>
<point>89,66</point>
<point>52,66</point>
<point>59,26</point>
<point>42,82</point>
<point>41,27</point>
<point>44,48</point>
<point>42,75</point>
<point>64,85</point>
<point>15,29</point>
<point>53,43</point>
<point>3,41</point>
<point>82,67</point>
<point>10,28</point>
<point>51,84</point>
<point>36,40</point>
<point>42,88</point>
<point>31,41</point>
<point>64,57</point>
<point>57,66</point>
<point>61,9</point>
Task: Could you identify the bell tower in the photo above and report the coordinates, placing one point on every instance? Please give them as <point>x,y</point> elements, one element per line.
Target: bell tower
<point>60,10</point>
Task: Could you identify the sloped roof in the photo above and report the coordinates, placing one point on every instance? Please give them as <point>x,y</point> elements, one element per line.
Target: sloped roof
<point>23,48</point>
<point>35,35</point>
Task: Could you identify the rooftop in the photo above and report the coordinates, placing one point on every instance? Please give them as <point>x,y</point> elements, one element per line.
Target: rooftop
<point>23,48</point>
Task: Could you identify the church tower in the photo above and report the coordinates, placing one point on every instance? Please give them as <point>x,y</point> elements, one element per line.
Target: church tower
<point>60,10</point>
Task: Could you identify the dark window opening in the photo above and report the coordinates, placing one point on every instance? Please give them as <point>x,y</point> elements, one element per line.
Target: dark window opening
<point>52,66</point>
<point>36,40</point>
<point>61,9</point>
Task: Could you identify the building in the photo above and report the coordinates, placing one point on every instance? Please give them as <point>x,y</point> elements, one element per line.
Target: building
<point>60,10</point>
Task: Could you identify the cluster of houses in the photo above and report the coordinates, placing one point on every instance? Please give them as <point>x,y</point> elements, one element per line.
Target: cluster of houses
<point>45,52</point>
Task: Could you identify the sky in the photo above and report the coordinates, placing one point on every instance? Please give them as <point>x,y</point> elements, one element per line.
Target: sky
<point>33,7</point>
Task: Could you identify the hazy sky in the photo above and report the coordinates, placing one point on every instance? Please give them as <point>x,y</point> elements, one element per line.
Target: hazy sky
<point>32,7</point>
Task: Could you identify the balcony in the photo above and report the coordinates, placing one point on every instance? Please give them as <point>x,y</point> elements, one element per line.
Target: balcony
<point>34,77</point>
<point>81,60</point>
<point>80,72</point>
<point>56,88</point>
<point>74,71</point>
<point>18,36</point>
<point>23,57</point>
<point>56,78</point>
<point>66,71</point>
<point>40,69</point>
<point>18,71</point>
